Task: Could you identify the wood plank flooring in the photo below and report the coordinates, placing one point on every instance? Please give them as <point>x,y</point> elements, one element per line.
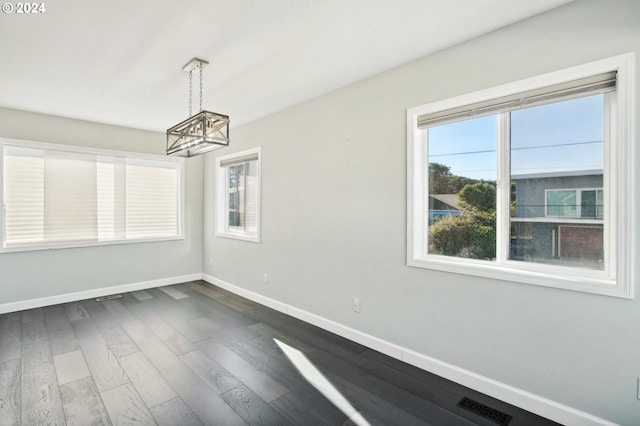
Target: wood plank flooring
<point>195,354</point>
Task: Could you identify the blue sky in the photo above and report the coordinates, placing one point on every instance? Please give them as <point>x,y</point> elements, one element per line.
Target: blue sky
<point>556,137</point>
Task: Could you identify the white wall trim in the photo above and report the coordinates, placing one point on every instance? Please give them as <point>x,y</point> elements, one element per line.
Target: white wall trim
<point>89,294</point>
<point>526,400</point>
<point>258,298</point>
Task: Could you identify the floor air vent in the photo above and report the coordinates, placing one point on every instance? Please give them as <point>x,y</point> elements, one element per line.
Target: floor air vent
<point>496,416</point>
<point>111,297</point>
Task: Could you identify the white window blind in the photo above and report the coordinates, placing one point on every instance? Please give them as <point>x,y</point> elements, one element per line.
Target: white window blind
<point>600,83</point>
<point>242,158</point>
<point>56,196</point>
<point>23,195</point>
<point>70,196</point>
<point>151,208</point>
<point>251,199</point>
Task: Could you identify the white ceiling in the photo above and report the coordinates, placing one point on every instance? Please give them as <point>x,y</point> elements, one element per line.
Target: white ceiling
<point>120,61</point>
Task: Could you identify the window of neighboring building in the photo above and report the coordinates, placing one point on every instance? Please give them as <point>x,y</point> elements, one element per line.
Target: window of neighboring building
<point>562,203</point>
<point>585,203</point>
<point>238,195</point>
<point>534,177</point>
<point>60,196</point>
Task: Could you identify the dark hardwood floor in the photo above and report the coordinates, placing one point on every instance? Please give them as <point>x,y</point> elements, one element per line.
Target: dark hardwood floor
<point>194,354</point>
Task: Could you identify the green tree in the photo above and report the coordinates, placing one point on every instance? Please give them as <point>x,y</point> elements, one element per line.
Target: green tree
<point>481,195</point>
<point>442,181</point>
<point>472,233</point>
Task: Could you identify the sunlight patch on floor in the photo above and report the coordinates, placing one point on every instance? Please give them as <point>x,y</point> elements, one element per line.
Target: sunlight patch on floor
<point>321,383</point>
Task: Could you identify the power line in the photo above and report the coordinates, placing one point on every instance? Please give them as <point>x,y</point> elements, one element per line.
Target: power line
<point>556,145</point>
<point>519,170</point>
<point>462,153</point>
<point>517,149</point>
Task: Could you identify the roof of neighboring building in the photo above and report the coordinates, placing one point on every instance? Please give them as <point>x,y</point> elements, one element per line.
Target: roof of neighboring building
<point>566,173</point>
<point>449,199</point>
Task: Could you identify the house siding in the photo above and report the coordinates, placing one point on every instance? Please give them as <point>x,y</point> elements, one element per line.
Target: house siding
<point>530,193</point>
<point>544,241</point>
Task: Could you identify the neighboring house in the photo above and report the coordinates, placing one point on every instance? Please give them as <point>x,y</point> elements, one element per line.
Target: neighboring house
<point>441,206</point>
<point>559,217</point>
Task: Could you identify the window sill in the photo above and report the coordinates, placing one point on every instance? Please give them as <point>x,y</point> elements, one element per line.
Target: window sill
<point>239,236</point>
<point>83,244</point>
<point>585,281</point>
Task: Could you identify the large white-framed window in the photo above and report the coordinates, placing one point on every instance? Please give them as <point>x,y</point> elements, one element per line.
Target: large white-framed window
<point>238,195</point>
<point>535,178</point>
<point>60,196</point>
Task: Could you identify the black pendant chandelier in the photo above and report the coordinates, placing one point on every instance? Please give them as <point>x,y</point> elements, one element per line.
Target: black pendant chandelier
<point>199,133</point>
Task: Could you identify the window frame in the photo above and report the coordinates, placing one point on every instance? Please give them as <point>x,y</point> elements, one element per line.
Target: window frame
<point>222,208</point>
<point>619,178</point>
<point>91,151</point>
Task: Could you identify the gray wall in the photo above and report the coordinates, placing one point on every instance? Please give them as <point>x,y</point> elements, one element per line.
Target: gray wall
<point>36,274</point>
<point>334,216</point>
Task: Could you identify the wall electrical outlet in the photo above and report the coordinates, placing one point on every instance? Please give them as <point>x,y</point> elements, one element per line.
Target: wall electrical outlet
<point>356,305</point>
<point>638,388</point>
<point>265,278</point>
<point>211,261</point>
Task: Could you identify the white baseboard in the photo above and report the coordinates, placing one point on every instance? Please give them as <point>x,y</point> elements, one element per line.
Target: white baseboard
<point>537,404</point>
<point>89,294</point>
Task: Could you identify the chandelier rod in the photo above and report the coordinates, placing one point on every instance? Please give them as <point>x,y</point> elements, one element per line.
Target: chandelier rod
<point>190,92</point>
